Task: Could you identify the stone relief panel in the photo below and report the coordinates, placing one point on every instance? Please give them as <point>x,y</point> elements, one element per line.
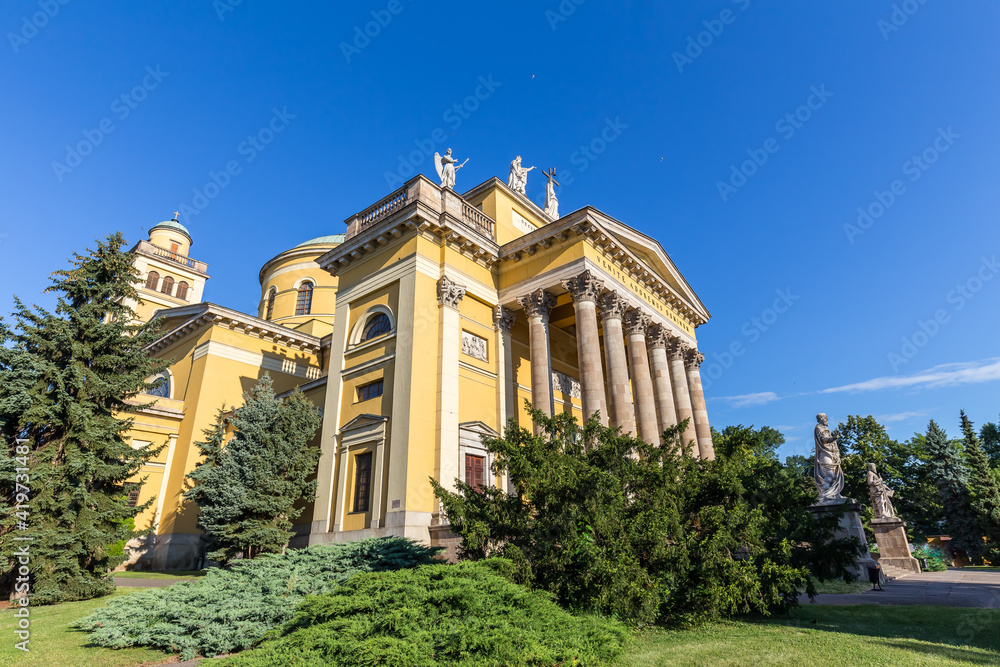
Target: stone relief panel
<point>562,383</point>
<point>474,346</point>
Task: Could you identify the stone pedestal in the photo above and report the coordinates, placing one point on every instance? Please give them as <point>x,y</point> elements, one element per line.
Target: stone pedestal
<point>893,547</point>
<point>850,526</point>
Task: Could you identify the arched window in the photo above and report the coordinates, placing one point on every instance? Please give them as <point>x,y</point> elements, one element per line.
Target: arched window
<point>168,285</point>
<point>163,391</point>
<point>269,312</point>
<point>152,280</point>
<point>303,306</point>
<point>182,290</point>
<point>377,325</point>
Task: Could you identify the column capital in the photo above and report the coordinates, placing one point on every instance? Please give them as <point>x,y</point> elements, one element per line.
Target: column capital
<point>693,358</point>
<point>613,307</point>
<point>504,318</point>
<point>637,322</point>
<point>677,349</point>
<point>584,287</point>
<point>538,303</point>
<point>658,337</point>
<point>450,293</point>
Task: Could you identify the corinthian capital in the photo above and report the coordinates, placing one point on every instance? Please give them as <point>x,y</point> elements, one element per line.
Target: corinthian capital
<point>693,359</point>
<point>584,287</point>
<point>612,306</point>
<point>678,349</point>
<point>450,293</point>
<point>637,322</point>
<point>538,303</point>
<point>657,337</point>
<point>504,318</point>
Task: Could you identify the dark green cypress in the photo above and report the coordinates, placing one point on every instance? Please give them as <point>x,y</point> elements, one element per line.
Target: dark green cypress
<point>951,475</point>
<point>984,489</point>
<point>69,380</point>
<point>247,485</point>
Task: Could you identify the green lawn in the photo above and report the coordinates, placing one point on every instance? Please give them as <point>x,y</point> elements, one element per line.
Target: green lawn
<point>54,643</point>
<point>158,574</point>
<point>842,636</point>
<point>840,586</point>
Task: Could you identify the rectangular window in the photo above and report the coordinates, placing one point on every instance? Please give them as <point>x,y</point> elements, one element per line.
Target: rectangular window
<point>362,481</point>
<point>369,391</point>
<point>475,471</point>
<point>133,494</point>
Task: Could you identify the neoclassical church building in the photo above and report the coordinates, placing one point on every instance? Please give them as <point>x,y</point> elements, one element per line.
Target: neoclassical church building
<point>423,326</point>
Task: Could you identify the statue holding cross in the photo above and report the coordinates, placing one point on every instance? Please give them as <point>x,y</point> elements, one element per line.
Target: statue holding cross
<point>551,203</point>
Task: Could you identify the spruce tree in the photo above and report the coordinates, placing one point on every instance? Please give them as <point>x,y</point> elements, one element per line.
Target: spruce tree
<point>984,489</point>
<point>990,435</point>
<point>258,463</point>
<point>68,380</point>
<point>948,469</point>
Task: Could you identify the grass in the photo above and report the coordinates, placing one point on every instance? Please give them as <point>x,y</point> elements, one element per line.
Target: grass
<point>54,642</point>
<point>838,635</point>
<point>158,574</point>
<point>982,568</point>
<point>839,586</point>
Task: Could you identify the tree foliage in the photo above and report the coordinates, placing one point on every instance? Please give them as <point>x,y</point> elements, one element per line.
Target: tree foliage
<point>984,489</point>
<point>609,523</point>
<point>990,435</point>
<point>951,475</point>
<point>231,609</point>
<point>258,462</point>
<point>69,380</point>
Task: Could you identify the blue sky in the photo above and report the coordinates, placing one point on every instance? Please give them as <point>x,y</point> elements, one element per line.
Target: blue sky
<point>836,106</point>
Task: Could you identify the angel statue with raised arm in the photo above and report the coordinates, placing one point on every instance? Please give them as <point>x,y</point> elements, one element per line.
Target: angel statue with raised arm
<point>518,179</point>
<point>446,168</point>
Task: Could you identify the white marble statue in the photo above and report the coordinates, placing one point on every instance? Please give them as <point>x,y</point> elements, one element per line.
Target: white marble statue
<point>829,475</point>
<point>446,168</point>
<point>518,179</point>
<point>881,495</point>
<point>551,203</point>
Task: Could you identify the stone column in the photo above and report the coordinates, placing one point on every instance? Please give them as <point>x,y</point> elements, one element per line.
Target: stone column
<point>506,400</point>
<point>537,307</point>
<point>612,312</point>
<point>450,295</point>
<point>698,407</point>
<point>585,289</point>
<point>637,322</point>
<point>658,339</point>
<point>682,395</point>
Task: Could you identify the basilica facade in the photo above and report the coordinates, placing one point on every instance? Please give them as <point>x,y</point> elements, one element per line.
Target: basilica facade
<point>422,327</point>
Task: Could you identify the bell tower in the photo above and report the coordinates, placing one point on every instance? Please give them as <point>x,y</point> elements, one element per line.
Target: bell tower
<point>169,277</point>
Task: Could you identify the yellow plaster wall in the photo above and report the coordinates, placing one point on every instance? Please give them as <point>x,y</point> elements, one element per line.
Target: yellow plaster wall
<point>163,238</point>
<point>285,283</point>
<point>498,204</point>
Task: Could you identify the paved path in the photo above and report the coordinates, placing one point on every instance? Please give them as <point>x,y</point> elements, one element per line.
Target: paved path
<point>131,582</point>
<point>954,588</point>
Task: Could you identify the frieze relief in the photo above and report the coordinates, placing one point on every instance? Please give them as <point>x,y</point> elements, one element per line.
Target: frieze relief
<point>562,383</point>
<point>474,346</point>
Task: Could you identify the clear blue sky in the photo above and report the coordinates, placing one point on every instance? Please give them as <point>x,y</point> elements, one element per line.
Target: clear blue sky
<point>210,75</point>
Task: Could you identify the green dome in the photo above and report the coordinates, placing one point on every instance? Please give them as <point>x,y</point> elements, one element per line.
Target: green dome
<point>174,225</point>
<point>333,239</point>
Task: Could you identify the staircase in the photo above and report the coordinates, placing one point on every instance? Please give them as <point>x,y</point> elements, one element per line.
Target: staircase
<point>891,572</point>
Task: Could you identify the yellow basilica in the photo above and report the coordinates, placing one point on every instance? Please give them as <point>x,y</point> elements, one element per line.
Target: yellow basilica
<point>421,328</point>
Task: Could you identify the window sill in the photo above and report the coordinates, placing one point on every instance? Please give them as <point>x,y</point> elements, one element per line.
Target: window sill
<point>351,349</point>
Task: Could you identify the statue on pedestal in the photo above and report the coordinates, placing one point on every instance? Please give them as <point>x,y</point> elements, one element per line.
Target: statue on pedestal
<point>518,179</point>
<point>829,475</point>
<point>881,495</point>
<point>551,203</point>
<point>446,168</point>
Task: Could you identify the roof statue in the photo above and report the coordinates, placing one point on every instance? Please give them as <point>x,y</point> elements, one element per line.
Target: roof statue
<point>445,165</point>
<point>551,202</point>
<point>829,475</point>
<point>518,179</point>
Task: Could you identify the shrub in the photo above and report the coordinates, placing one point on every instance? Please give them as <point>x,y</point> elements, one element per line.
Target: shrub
<point>229,610</point>
<point>469,614</point>
<point>936,560</point>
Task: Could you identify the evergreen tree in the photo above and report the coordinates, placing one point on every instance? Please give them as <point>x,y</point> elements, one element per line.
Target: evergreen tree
<point>249,482</point>
<point>990,435</point>
<point>984,488</point>
<point>68,380</point>
<point>948,469</point>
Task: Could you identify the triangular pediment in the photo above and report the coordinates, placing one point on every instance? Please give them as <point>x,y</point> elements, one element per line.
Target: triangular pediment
<point>363,421</point>
<point>479,428</point>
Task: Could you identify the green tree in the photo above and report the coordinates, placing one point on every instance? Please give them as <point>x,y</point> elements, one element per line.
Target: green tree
<point>951,475</point>
<point>258,463</point>
<point>984,489</point>
<point>68,383</point>
<point>610,523</point>
<point>990,435</point>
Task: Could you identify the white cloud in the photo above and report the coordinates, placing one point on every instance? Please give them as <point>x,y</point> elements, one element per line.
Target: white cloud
<point>945,375</point>
<point>747,400</point>
<point>898,417</point>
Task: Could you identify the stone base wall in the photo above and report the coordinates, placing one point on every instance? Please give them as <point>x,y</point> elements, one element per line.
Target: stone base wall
<point>174,551</point>
<point>850,526</point>
<point>441,536</point>
<point>893,546</point>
